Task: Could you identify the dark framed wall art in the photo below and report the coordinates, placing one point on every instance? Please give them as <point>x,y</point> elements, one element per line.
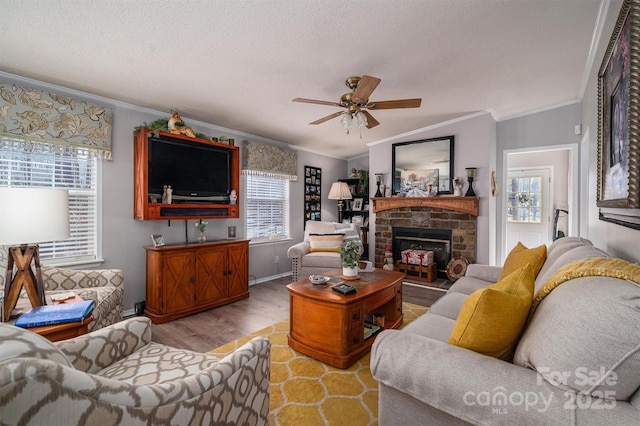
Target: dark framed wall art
<point>618,195</point>
<point>312,192</point>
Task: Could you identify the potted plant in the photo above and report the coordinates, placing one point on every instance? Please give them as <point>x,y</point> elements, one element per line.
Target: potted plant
<point>350,255</point>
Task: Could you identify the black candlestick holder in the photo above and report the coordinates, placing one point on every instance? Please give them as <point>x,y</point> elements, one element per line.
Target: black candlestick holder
<point>378,193</point>
<point>471,172</point>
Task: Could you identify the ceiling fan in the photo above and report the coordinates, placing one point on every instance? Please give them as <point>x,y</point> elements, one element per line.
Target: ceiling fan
<point>357,103</point>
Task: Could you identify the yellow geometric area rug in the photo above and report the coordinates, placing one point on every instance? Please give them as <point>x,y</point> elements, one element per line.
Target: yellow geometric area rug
<point>308,392</point>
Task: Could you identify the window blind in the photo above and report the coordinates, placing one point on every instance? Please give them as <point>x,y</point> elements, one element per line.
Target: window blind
<point>76,172</point>
<point>267,207</point>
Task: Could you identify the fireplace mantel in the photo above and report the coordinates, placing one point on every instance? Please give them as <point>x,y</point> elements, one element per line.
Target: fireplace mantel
<point>467,205</point>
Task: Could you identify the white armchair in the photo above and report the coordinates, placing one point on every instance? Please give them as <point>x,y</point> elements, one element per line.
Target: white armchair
<point>306,262</point>
<point>104,286</point>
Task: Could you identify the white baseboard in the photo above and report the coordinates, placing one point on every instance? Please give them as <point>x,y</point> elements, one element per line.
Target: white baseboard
<point>444,290</point>
<point>269,278</point>
<point>128,313</point>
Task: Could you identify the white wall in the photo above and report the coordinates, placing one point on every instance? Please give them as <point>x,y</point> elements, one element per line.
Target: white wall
<point>475,138</point>
<point>545,129</point>
<point>617,240</point>
<point>360,162</point>
<point>123,238</point>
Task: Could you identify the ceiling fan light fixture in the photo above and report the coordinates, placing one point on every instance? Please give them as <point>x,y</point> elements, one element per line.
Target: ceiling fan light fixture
<point>362,119</point>
<point>346,121</point>
<point>357,103</point>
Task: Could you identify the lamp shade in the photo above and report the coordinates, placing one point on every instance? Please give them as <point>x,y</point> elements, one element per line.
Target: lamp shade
<point>339,191</point>
<point>33,215</point>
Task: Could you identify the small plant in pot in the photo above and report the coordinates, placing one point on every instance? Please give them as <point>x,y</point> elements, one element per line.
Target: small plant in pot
<point>350,255</point>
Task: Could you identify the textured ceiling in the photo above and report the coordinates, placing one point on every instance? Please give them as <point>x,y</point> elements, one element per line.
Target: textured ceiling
<point>238,64</point>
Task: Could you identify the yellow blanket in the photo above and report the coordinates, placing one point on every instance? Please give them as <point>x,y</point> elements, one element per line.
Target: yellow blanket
<point>592,267</point>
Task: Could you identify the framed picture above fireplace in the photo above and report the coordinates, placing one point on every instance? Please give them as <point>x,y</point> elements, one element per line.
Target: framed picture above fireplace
<point>434,156</point>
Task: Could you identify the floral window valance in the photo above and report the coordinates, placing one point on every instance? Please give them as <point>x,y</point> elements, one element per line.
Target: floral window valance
<point>269,160</point>
<point>51,122</point>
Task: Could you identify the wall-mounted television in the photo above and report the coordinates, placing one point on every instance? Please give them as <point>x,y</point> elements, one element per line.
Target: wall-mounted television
<point>197,172</point>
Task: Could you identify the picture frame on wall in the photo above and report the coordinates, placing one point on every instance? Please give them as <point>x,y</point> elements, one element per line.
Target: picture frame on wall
<point>312,192</point>
<point>619,120</point>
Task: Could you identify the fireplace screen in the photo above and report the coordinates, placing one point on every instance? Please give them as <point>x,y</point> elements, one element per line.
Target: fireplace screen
<point>436,240</point>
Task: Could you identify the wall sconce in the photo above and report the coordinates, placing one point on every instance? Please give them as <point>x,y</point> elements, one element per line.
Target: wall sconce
<point>471,174</point>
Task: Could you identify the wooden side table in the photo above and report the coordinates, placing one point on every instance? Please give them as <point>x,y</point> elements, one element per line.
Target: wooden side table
<point>64,331</point>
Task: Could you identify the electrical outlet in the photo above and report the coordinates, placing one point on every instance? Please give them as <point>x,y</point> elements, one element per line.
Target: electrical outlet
<point>277,259</point>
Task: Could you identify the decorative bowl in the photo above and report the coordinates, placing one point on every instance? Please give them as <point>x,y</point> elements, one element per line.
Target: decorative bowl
<point>318,279</point>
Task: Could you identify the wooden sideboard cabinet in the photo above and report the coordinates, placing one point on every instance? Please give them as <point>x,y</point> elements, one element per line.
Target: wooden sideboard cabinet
<point>189,278</point>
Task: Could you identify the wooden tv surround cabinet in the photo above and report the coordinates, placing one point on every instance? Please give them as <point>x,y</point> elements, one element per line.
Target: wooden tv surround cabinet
<point>184,279</point>
<point>145,209</point>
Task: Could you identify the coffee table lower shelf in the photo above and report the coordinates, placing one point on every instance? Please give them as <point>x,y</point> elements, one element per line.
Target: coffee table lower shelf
<point>330,327</point>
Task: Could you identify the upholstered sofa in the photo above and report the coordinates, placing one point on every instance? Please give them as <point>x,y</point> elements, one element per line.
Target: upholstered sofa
<point>104,286</point>
<point>118,376</point>
<point>305,261</point>
<point>576,361</point>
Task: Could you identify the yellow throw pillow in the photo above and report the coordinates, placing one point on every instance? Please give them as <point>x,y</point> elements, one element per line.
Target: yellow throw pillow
<point>492,318</point>
<point>520,255</point>
<point>325,242</point>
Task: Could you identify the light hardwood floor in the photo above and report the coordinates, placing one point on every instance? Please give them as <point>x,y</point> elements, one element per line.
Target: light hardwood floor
<point>268,302</point>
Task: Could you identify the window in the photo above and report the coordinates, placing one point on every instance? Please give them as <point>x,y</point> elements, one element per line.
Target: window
<point>524,196</point>
<point>267,207</point>
<point>76,172</point>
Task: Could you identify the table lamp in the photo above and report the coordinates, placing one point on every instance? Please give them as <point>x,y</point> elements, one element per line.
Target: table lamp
<point>29,216</point>
<point>340,191</point>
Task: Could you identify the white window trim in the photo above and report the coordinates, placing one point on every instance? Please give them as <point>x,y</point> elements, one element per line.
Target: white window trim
<point>273,239</point>
<point>98,260</point>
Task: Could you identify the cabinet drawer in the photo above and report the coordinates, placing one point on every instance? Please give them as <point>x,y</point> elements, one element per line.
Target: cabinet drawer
<point>356,338</point>
<point>356,316</point>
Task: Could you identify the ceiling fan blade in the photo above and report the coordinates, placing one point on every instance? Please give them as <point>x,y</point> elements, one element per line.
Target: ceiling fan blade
<point>327,118</point>
<point>398,103</point>
<point>371,122</point>
<point>366,86</point>
<point>313,101</point>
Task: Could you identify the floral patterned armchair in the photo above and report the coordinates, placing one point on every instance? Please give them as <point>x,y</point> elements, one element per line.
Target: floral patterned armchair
<point>104,286</point>
<point>117,375</point>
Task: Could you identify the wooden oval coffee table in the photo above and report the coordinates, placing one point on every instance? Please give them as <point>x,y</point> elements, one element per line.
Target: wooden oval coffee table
<point>330,327</point>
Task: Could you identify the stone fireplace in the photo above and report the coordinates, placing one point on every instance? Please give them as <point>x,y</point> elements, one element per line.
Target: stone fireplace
<point>450,221</point>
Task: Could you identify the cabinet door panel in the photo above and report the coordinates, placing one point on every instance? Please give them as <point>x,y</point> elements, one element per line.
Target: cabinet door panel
<point>178,282</point>
<point>210,269</point>
<point>238,269</point>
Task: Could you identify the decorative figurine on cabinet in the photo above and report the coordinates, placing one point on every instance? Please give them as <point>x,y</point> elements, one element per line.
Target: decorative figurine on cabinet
<point>167,194</point>
<point>233,198</point>
<point>176,125</point>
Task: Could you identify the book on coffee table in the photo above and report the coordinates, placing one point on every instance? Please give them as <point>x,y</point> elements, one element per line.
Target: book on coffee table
<point>55,314</point>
